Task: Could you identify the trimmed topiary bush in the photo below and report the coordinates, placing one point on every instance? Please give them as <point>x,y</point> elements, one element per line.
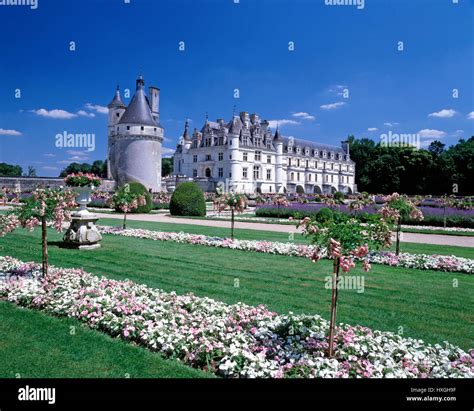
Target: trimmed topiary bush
<point>137,188</point>
<point>324,215</point>
<point>188,200</point>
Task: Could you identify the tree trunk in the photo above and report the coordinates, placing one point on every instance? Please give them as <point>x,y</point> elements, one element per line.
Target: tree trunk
<point>124,225</point>
<point>44,241</point>
<point>332,326</point>
<point>399,227</point>
<point>232,225</point>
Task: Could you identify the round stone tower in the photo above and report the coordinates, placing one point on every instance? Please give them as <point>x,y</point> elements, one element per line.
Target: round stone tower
<point>135,140</point>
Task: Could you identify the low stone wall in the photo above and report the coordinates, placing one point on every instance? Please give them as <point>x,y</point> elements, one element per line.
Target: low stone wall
<point>26,184</point>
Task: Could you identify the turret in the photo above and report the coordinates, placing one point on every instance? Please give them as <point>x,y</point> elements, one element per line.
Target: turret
<point>233,137</point>
<point>278,142</point>
<point>116,109</point>
<point>186,136</point>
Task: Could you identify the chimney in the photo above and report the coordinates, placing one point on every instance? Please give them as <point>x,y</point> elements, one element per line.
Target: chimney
<point>154,93</point>
<point>345,147</point>
<point>254,118</point>
<point>244,117</point>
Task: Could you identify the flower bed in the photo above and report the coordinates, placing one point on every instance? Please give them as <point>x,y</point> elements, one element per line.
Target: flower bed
<point>432,216</point>
<point>229,340</point>
<point>406,260</point>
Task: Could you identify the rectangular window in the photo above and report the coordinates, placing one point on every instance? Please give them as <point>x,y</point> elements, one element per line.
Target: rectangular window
<point>208,157</point>
<point>332,178</point>
<point>195,158</point>
<point>244,173</point>
<point>258,156</point>
<point>245,156</point>
<point>298,162</point>
<point>221,156</point>
<point>289,162</point>
<point>307,163</point>
<point>298,176</point>
<point>309,177</point>
<point>221,172</point>
<point>256,173</point>
<point>195,173</point>
<point>269,174</point>
<point>269,159</point>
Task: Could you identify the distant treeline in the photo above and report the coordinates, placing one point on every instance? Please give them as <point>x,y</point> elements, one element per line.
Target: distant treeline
<point>435,170</point>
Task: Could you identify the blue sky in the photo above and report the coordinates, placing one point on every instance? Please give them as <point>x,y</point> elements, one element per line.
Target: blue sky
<point>234,46</point>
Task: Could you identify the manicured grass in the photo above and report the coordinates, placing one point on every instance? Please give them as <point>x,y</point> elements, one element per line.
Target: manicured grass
<point>424,303</point>
<point>245,234</point>
<point>36,345</point>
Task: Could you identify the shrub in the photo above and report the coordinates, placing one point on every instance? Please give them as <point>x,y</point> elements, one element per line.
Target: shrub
<point>188,200</point>
<point>339,197</point>
<point>324,214</point>
<point>140,189</point>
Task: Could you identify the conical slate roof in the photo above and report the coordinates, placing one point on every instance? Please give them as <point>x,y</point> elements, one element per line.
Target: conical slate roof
<point>116,101</point>
<point>186,135</point>
<point>138,111</point>
<point>278,136</point>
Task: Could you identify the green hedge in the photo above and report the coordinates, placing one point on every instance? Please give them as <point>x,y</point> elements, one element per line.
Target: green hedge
<point>188,200</point>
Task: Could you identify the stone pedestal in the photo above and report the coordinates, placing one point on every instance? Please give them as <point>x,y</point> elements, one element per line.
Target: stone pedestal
<point>83,233</point>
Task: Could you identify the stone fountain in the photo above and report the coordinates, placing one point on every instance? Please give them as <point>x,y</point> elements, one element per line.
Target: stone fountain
<point>82,233</point>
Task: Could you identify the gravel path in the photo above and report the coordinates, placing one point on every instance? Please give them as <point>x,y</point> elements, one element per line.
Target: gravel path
<point>437,239</point>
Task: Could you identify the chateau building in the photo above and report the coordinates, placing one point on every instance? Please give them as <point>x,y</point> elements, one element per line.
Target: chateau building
<point>246,156</point>
<point>135,137</point>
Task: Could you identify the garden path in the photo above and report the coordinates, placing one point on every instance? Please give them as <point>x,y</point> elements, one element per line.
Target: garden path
<point>437,239</point>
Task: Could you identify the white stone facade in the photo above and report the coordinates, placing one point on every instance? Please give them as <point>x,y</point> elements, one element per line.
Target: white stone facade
<point>244,155</point>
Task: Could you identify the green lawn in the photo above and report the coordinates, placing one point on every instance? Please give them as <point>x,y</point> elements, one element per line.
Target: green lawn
<point>424,303</point>
<point>245,234</point>
<point>35,345</point>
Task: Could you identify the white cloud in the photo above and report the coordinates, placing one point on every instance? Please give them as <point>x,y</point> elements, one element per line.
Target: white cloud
<point>167,152</point>
<point>430,133</point>
<point>388,124</point>
<point>444,113</point>
<point>337,89</point>
<point>97,108</point>
<point>372,129</point>
<point>85,114</point>
<point>4,132</point>
<point>76,153</point>
<point>49,155</point>
<point>49,168</point>
<point>283,122</point>
<point>303,115</point>
<point>470,116</point>
<point>56,113</point>
<point>333,106</point>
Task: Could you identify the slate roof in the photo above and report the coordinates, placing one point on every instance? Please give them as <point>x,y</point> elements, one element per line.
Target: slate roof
<point>116,101</point>
<point>138,111</point>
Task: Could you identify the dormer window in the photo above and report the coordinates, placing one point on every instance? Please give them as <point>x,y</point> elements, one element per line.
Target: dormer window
<point>298,150</point>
